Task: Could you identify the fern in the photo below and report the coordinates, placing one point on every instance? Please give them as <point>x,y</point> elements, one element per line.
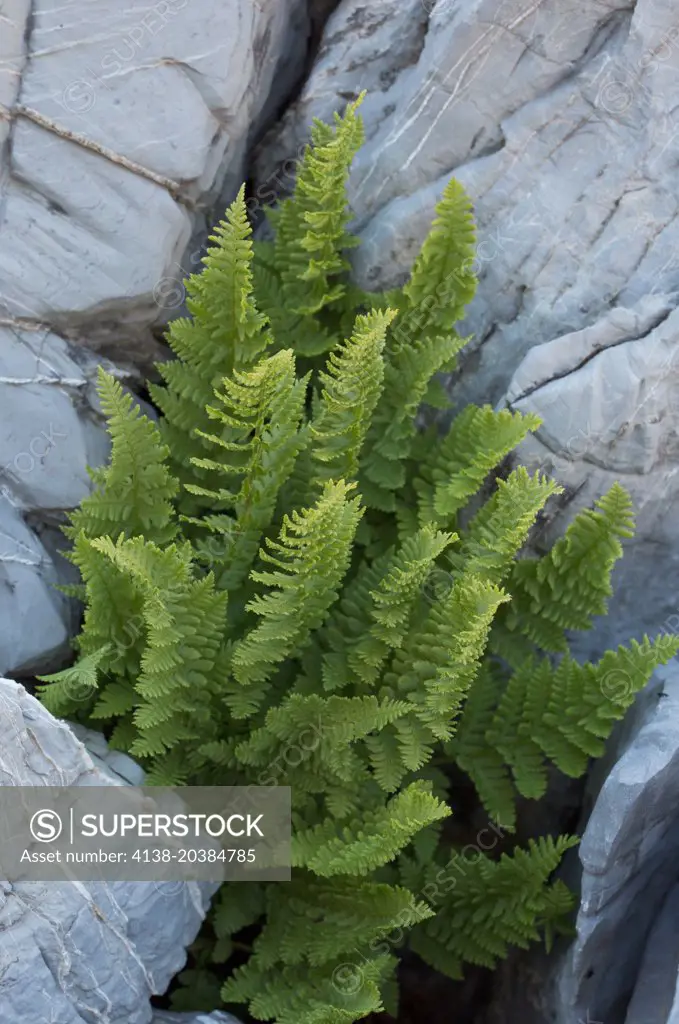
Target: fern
<point>477,441</point>
<point>487,906</point>
<point>285,564</point>
<point>225,332</point>
<point>311,233</point>
<point>134,494</point>
<point>300,597</point>
<point>262,410</point>
<point>566,587</point>
<point>539,711</point>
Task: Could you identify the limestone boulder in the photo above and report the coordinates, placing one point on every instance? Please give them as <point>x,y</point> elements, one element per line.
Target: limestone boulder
<point>122,132</point>
<point>74,951</point>
<point>193,1018</point>
<point>120,128</point>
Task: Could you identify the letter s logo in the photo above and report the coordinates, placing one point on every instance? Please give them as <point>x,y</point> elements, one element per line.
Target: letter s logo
<point>46,826</point>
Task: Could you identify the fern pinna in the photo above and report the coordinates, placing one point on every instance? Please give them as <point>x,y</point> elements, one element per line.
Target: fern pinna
<point>279,538</point>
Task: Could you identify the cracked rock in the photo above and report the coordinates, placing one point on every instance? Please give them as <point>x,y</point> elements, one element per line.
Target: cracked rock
<point>657,979</point>
<point>622,966</point>
<point>83,951</point>
<point>119,129</point>
<point>52,429</point>
<point>364,46</point>
<point>28,598</point>
<point>560,119</point>
<point>194,1018</point>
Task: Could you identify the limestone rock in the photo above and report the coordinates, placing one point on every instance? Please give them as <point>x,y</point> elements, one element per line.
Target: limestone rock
<point>82,951</point>
<point>574,153</point>
<point>364,46</point>
<point>628,856</point>
<point>27,597</point>
<point>654,992</point>
<point>52,426</point>
<point>52,429</point>
<point>121,128</point>
<point>193,1018</point>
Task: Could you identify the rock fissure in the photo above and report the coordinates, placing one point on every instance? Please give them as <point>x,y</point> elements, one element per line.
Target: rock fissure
<point>173,187</point>
<point>5,114</point>
<point>604,347</point>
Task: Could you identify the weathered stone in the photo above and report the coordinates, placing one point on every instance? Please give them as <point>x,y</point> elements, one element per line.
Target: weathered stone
<point>655,989</point>
<point>627,856</point>
<point>161,1017</point>
<point>82,951</point>
<point>119,132</point>
<point>52,429</point>
<point>116,139</point>
<point>364,46</point>
<point>34,615</point>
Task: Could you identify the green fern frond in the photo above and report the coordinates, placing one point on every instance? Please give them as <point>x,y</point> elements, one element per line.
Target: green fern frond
<point>472,752</point>
<point>565,588</point>
<point>317,921</point>
<point>373,617</point>
<point>263,410</point>
<point>311,226</point>
<point>351,386</point>
<point>133,495</point>
<point>300,597</point>
<point>439,659</point>
<point>184,619</point>
<point>226,332</point>
<point>477,441</point>
<point>442,281</point>
<point>327,850</point>
<point>68,690</point>
<point>539,712</point>
<point>338,993</point>
<point>390,440</point>
<point>500,528</point>
<point>487,906</point>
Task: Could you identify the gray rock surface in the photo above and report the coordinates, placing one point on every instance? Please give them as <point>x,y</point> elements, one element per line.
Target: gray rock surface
<point>120,129</point>
<point>52,429</point>
<point>628,855</point>
<point>89,951</point>
<point>193,1018</point>
<point>654,992</point>
<point>608,396</point>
